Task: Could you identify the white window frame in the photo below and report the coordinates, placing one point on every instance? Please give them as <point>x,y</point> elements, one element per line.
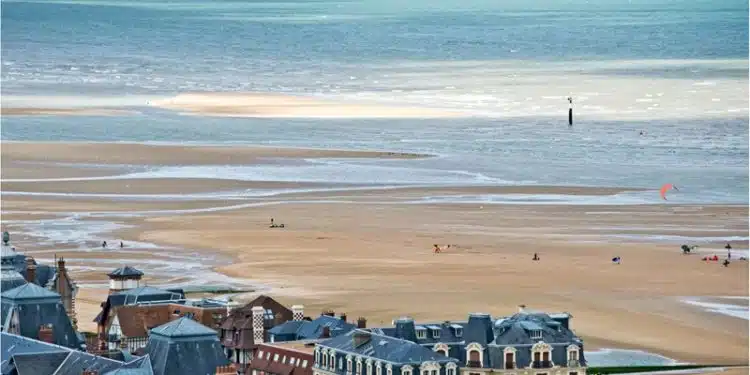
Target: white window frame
<point>421,334</point>
<point>536,334</point>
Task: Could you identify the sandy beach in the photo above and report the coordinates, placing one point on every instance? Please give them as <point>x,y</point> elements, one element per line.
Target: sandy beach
<point>371,255</point>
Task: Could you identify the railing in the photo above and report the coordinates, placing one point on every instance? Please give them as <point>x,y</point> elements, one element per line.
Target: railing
<point>574,363</point>
<point>542,364</point>
<point>474,364</point>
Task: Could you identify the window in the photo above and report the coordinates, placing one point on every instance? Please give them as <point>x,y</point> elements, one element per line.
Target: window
<point>260,354</point>
<point>536,334</point>
<point>268,315</point>
<point>333,360</point>
<point>459,331</point>
<point>341,363</point>
<point>450,369</point>
<point>434,372</point>
<point>369,368</point>
<point>359,366</point>
<point>325,359</point>
<point>435,333</point>
<point>406,370</point>
<point>283,359</point>
<point>572,373</point>
<point>378,369</point>
<point>275,357</point>
<point>573,355</point>
<point>509,360</point>
<point>268,356</point>
<point>421,333</point>
<point>304,363</point>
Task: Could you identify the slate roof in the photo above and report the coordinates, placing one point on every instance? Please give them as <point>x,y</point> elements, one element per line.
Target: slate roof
<point>516,330</point>
<point>29,292</point>
<point>10,278</point>
<point>22,355</point>
<point>37,363</point>
<point>126,271</point>
<point>184,348</point>
<point>34,307</point>
<point>385,348</point>
<point>182,328</point>
<point>306,330</point>
<point>139,366</point>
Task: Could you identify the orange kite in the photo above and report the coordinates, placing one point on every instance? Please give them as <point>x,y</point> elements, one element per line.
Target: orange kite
<point>664,189</point>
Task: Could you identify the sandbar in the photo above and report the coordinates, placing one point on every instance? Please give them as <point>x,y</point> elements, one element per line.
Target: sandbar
<point>151,154</point>
<point>266,105</point>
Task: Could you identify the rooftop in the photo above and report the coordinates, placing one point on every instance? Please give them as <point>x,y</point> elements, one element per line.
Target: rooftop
<point>125,271</point>
<point>183,327</point>
<point>29,291</point>
<point>305,346</point>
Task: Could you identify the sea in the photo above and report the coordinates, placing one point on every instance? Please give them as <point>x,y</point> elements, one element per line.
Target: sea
<point>660,87</point>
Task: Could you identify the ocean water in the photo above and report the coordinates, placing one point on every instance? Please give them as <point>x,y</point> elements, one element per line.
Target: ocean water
<point>676,70</point>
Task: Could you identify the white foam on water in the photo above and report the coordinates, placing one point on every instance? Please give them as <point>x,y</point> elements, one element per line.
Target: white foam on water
<point>678,239</point>
<point>736,311</point>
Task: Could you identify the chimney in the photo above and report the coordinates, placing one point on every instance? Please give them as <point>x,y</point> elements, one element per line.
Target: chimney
<point>360,338</point>
<point>521,308</point>
<point>258,321</point>
<point>298,312</point>
<point>326,332</point>
<point>30,270</point>
<point>278,319</point>
<point>342,316</point>
<point>46,334</point>
<point>66,295</point>
<point>328,313</point>
<point>90,372</point>
<point>361,322</point>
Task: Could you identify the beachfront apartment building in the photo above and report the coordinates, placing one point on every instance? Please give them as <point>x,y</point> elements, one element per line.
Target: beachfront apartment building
<point>526,343</point>
<point>362,352</point>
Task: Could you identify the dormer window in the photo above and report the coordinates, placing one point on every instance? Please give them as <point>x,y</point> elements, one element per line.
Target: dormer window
<point>458,331</point>
<point>421,333</point>
<point>536,334</point>
<point>434,331</point>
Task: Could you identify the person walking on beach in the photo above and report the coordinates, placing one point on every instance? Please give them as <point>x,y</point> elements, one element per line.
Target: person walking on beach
<point>121,245</point>
<point>729,250</point>
<point>104,244</point>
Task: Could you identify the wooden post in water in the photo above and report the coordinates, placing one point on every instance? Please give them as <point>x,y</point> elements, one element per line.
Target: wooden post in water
<point>570,111</point>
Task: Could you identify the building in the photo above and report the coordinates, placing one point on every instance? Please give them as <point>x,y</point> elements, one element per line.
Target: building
<point>290,358</point>
<point>55,279</point>
<point>325,326</point>
<point>38,313</point>
<point>131,323</point>
<point>10,278</point>
<point>124,278</point>
<point>362,352</point>
<point>247,326</point>
<point>23,355</point>
<point>184,346</point>
<point>526,343</point>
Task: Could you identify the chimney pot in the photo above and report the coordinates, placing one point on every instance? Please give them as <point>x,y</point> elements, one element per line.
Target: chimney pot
<point>342,316</point>
<point>30,270</point>
<point>361,322</point>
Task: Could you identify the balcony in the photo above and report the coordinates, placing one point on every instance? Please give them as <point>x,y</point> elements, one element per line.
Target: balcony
<point>476,364</point>
<point>574,363</point>
<point>542,364</point>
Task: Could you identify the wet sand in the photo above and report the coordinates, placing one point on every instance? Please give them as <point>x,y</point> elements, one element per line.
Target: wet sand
<point>288,106</point>
<point>373,257</point>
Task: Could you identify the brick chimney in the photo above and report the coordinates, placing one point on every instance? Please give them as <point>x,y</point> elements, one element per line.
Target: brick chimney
<point>61,287</point>
<point>328,313</point>
<point>326,332</point>
<point>46,334</point>
<point>361,322</point>
<point>258,320</point>
<point>298,312</point>
<point>360,337</point>
<point>30,270</point>
<point>342,316</point>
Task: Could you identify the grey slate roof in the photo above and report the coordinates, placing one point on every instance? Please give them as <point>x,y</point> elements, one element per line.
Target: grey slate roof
<point>21,355</point>
<point>146,294</point>
<point>10,278</point>
<point>37,363</point>
<point>190,351</point>
<point>385,348</point>
<point>27,292</point>
<point>493,336</point>
<point>34,307</point>
<point>139,366</point>
<point>182,328</point>
<point>12,258</point>
<point>306,330</point>
<point>126,271</point>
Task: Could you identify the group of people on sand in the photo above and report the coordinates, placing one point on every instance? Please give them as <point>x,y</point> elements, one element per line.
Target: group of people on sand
<point>713,258</point>
<point>274,225</point>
